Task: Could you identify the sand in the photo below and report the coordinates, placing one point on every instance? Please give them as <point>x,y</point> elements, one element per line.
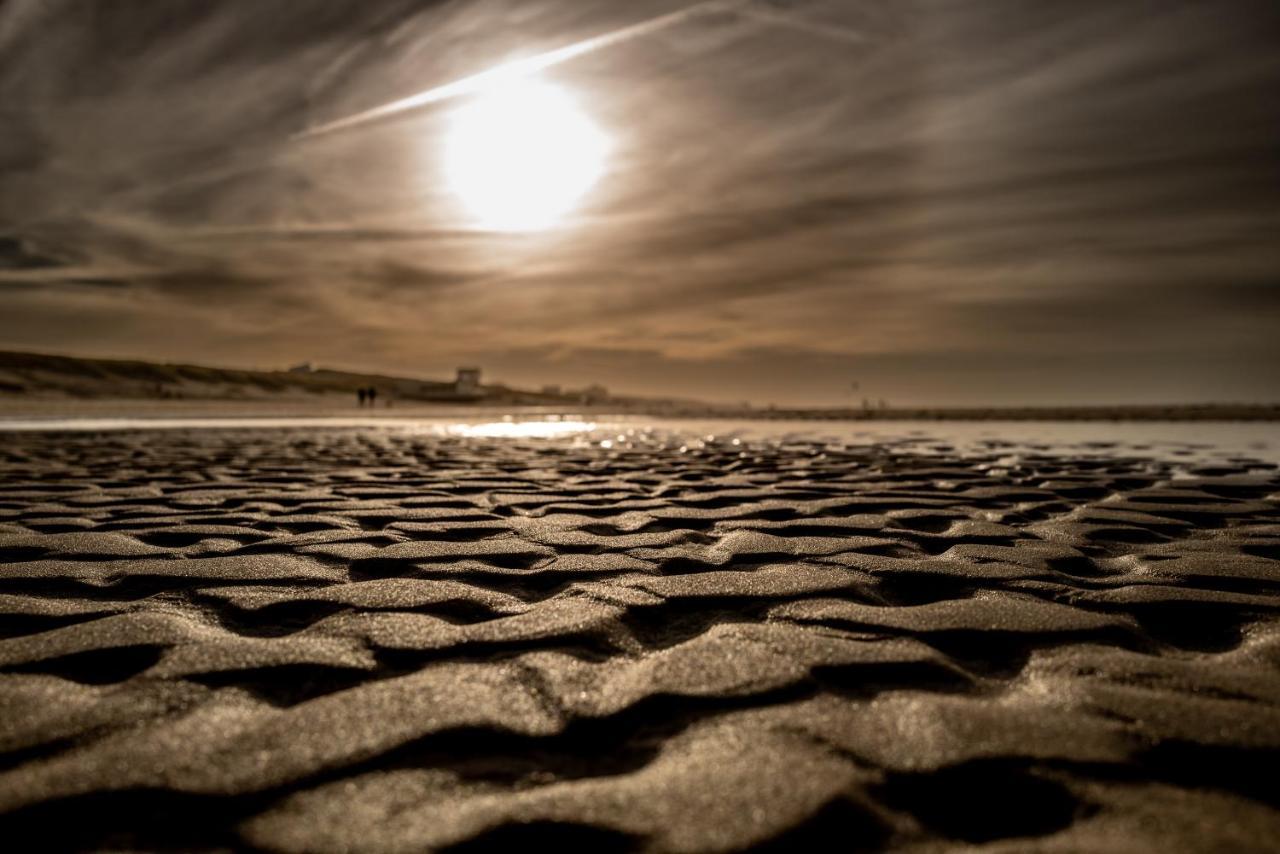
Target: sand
<point>363,639</point>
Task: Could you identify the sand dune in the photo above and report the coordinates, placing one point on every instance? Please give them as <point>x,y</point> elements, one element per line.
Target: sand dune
<point>351,639</point>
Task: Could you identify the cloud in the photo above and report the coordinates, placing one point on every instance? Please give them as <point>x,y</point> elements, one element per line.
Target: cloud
<point>17,253</point>
<point>928,187</point>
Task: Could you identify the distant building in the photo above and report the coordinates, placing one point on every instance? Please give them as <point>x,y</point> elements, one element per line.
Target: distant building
<point>551,390</point>
<point>595,394</point>
<point>468,381</point>
<point>304,368</point>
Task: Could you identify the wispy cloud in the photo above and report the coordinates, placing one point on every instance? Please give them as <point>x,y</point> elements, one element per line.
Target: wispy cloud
<point>795,187</point>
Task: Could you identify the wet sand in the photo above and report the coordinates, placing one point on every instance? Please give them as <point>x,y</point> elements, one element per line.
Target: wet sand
<point>342,638</point>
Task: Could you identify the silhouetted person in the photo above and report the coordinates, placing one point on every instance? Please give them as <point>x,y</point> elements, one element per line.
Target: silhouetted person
<point>373,396</point>
<point>361,393</point>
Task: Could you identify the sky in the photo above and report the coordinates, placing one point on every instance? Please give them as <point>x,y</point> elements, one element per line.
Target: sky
<point>951,202</point>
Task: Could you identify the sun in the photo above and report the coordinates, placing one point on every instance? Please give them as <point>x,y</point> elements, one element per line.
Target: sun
<point>520,154</point>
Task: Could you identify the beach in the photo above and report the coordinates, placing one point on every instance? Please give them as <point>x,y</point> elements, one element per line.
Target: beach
<point>632,634</point>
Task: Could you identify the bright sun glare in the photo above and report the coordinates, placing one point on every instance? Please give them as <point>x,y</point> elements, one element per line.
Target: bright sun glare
<point>521,153</point>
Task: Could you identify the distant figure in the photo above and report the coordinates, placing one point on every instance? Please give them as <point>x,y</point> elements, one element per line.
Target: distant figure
<point>361,393</point>
<point>373,396</point>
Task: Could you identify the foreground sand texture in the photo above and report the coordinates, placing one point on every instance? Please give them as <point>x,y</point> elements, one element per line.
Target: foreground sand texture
<point>337,640</point>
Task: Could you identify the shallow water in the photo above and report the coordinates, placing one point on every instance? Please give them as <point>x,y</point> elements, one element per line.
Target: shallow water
<point>1195,442</point>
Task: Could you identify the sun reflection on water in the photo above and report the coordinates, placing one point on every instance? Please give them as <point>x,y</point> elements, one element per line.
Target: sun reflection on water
<point>522,429</point>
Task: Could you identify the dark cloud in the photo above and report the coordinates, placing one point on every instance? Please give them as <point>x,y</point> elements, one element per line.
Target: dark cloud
<point>956,200</point>
<point>18,254</point>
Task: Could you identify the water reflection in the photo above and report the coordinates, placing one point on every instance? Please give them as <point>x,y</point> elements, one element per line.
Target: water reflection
<point>1188,442</point>
<point>510,429</point>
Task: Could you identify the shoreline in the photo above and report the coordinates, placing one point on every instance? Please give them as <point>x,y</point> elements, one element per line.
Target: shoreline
<point>149,408</point>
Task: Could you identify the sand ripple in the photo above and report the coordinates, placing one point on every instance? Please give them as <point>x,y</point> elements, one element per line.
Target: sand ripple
<point>342,639</point>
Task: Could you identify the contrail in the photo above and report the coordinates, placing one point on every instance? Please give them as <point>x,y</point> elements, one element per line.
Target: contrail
<point>750,8</point>
<point>522,66</point>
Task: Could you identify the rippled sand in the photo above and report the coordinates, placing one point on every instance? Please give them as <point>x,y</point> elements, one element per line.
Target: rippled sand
<point>401,640</point>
